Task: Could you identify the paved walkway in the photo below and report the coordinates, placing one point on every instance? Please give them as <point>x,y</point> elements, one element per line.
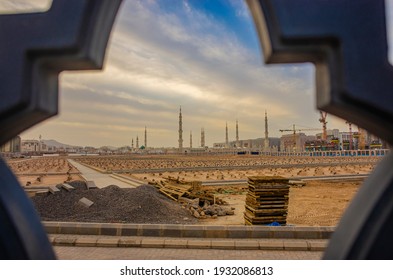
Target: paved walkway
<point>101,180</point>
<point>131,253</point>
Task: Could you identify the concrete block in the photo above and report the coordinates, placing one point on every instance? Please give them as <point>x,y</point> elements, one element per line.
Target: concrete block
<point>68,228</point>
<point>86,241</point>
<point>51,239</point>
<point>151,230</point>
<point>282,232</point>
<point>216,232</point>
<point>172,230</point>
<point>196,231</point>
<point>89,228</point>
<point>223,244</point>
<point>247,244</point>
<point>107,242</point>
<point>91,185</point>
<point>260,232</point>
<point>53,189</point>
<point>85,202</point>
<point>295,245</point>
<point>317,245</point>
<point>326,232</point>
<point>130,242</point>
<point>67,187</point>
<point>129,230</point>
<point>175,243</point>
<point>307,232</point>
<point>199,244</point>
<point>153,243</point>
<point>64,241</point>
<point>51,227</point>
<point>110,229</point>
<point>41,193</point>
<point>271,244</point>
<point>238,232</point>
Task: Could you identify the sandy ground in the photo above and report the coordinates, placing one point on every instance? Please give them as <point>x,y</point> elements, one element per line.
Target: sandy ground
<point>48,171</point>
<point>318,203</point>
<point>243,174</point>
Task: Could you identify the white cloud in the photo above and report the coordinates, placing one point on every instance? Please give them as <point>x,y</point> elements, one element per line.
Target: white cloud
<point>158,60</point>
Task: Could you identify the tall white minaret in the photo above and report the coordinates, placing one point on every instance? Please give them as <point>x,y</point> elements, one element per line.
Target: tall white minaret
<point>145,138</point>
<point>202,137</point>
<point>266,142</point>
<point>137,142</point>
<point>237,134</point>
<point>180,132</point>
<point>190,139</point>
<point>226,136</point>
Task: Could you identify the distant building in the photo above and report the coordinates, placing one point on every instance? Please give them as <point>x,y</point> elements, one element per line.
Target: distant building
<point>258,143</point>
<point>12,146</point>
<point>330,134</point>
<point>295,142</point>
<point>30,146</point>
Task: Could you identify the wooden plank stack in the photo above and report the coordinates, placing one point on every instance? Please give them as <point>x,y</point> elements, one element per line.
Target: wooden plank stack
<point>175,191</point>
<point>266,200</point>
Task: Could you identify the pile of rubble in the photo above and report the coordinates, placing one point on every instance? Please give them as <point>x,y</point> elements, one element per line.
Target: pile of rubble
<point>79,203</point>
<point>207,210</point>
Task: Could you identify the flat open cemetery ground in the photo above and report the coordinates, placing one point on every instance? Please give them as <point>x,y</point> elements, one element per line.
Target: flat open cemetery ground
<point>317,203</point>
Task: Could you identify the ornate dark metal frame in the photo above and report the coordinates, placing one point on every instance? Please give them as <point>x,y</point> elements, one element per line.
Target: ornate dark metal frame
<point>345,39</point>
<point>35,48</point>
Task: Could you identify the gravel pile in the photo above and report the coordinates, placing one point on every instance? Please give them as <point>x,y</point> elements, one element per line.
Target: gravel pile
<point>112,204</point>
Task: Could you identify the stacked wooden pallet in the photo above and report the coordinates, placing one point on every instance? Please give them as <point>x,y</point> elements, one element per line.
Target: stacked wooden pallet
<point>175,191</point>
<point>266,200</point>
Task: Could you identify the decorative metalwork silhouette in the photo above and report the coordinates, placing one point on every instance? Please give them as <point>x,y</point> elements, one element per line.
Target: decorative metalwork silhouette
<point>35,48</point>
<point>346,41</point>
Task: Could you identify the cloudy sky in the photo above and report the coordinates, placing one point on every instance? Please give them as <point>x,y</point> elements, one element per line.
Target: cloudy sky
<point>198,54</point>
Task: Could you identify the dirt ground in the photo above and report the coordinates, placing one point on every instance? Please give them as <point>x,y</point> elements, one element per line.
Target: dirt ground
<point>318,203</point>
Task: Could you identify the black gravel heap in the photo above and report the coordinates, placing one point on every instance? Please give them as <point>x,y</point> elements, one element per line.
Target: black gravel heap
<point>144,204</point>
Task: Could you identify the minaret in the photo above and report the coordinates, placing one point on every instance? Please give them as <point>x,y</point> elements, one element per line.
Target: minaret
<point>266,144</point>
<point>237,134</point>
<point>132,143</point>
<point>226,136</point>
<point>180,132</point>
<point>145,138</point>
<point>137,142</point>
<point>202,137</point>
<point>190,139</point>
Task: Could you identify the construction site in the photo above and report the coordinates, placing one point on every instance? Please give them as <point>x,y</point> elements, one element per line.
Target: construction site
<point>191,189</point>
<point>298,180</point>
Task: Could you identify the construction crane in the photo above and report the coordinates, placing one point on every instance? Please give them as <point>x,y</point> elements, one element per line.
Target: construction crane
<point>294,130</point>
<point>362,138</point>
<point>322,120</point>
